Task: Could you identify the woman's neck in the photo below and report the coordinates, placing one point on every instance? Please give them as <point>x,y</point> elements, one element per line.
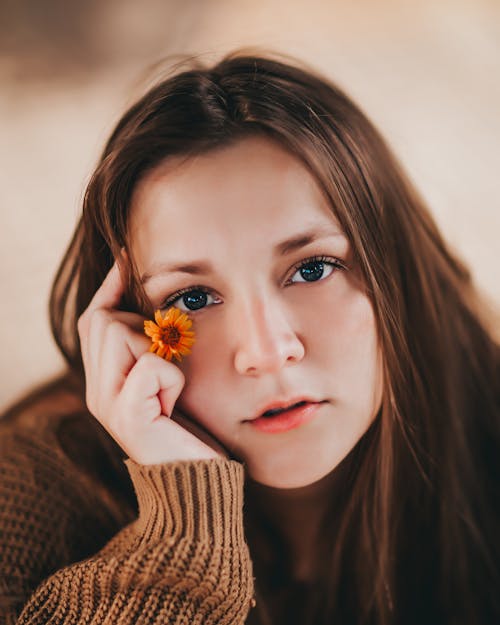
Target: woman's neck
<point>299,516</point>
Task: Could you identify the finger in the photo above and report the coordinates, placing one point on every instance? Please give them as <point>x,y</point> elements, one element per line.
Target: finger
<point>91,342</point>
<point>134,321</point>
<point>91,332</point>
<point>110,347</point>
<point>121,347</point>
<point>101,319</point>
<point>162,441</point>
<point>150,376</point>
<point>106,296</point>
<point>109,294</point>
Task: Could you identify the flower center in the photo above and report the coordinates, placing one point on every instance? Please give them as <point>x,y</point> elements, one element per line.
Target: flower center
<point>170,335</point>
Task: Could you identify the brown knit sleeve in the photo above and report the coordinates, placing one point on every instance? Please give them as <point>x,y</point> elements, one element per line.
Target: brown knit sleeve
<point>183,560</point>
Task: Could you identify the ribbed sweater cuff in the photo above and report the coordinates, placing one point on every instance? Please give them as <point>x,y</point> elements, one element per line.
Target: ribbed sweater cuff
<point>199,499</point>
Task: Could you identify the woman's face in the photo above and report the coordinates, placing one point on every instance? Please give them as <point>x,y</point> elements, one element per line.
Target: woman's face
<point>270,323</point>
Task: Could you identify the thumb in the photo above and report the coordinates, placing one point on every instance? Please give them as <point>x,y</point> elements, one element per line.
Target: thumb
<point>170,392</point>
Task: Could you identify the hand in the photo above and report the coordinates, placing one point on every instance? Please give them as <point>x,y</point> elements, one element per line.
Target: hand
<point>131,391</point>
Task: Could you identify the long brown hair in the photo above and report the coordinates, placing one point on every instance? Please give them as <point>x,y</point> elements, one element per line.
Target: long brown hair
<point>418,537</point>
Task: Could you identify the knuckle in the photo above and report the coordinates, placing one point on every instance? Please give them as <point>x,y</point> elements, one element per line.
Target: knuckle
<point>99,315</point>
<point>177,374</point>
<point>169,374</point>
<point>115,328</point>
<point>148,361</point>
<point>90,318</point>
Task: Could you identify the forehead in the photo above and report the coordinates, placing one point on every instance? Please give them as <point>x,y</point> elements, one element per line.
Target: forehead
<point>253,186</point>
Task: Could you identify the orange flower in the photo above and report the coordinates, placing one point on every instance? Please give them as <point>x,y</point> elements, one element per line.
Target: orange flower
<point>171,334</point>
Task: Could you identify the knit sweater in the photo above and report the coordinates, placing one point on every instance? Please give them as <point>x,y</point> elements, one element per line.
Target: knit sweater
<point>90,536</point>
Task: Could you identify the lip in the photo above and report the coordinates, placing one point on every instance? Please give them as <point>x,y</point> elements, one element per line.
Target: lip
<point>282,403</point>
<point>287,420</point>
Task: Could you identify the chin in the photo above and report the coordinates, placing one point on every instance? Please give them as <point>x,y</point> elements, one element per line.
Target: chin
<point>293,477</point>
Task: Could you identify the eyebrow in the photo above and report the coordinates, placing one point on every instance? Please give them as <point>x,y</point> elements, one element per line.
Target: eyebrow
<point>204,267</point>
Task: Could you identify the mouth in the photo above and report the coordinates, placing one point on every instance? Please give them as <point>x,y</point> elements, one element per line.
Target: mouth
<point>276,408</point>
<point>282,419</point>
<point>275,411</point>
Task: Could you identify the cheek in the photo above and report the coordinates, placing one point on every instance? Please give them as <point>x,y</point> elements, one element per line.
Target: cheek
<point>202,370</point>
<point>348,343</point>
<point>355,328</point>
<point>344,320</point>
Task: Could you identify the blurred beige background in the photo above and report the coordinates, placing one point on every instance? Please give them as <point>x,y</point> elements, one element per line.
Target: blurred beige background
<point>427,73</point>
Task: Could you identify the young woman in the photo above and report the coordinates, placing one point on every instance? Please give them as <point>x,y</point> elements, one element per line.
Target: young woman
<point>327,448</point>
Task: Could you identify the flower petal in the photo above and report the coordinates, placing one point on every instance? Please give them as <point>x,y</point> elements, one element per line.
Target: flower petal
<point>150,328</point>
<point>174,315</point>
<point>158,318</point>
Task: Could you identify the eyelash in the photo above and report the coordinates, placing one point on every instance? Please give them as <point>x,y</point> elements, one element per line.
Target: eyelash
<point>329,260</point>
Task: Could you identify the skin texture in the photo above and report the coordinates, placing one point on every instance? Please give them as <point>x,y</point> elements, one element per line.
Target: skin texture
<point>259,337</point>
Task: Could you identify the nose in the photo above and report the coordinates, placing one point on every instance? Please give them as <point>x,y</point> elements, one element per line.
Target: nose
<point>265,340</point>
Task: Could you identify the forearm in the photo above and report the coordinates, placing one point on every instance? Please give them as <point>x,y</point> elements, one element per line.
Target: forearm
<point>184,559</point>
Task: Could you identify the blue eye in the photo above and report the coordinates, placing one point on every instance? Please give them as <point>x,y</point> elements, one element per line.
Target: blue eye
<point>193,298</point>
<point>313,269</point>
